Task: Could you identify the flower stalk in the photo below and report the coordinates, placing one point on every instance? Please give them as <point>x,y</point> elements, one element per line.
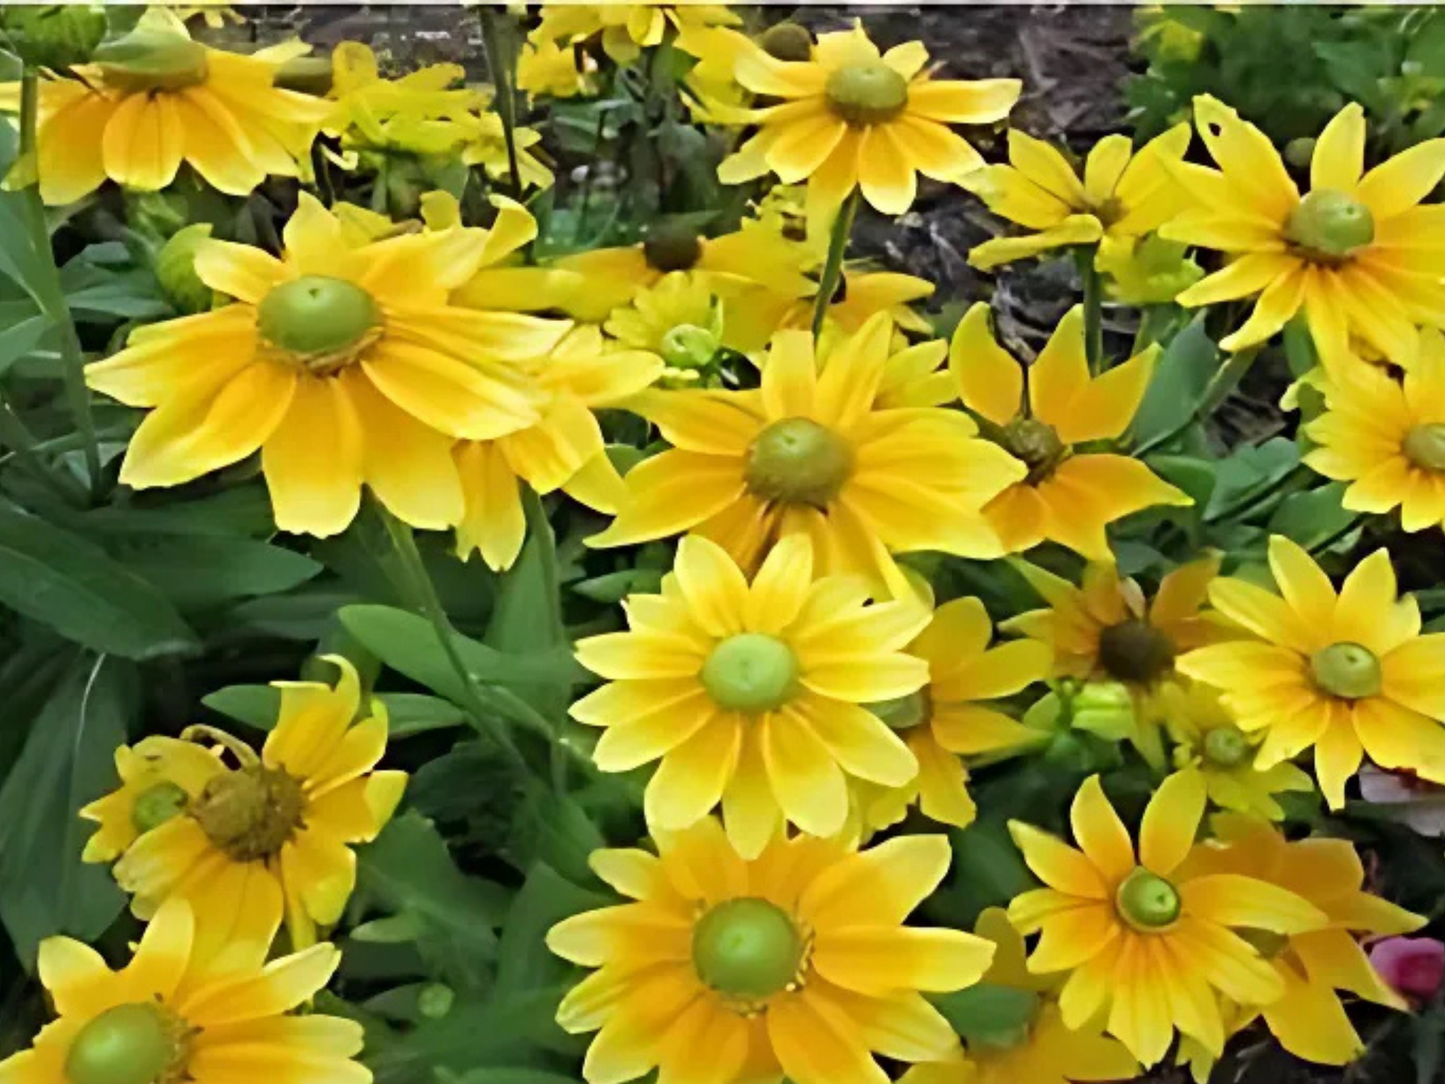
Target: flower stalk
<point>833,265</point>
<point>502,63</point>
<point>1093,282</point>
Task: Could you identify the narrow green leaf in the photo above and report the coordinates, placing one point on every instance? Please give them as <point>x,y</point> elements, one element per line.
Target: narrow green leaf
<point>197,572</point>
<point>546,898</point>
<point>254,705</point>
<point>1179,381</point>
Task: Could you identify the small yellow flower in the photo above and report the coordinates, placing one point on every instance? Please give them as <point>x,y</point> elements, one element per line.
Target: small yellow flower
<point>626,29</point>
<point>1146,271</point>
<point>793,963</point>
<point>174,1014</point>
<point>546,69</point>
<point>1149,943</point>
<point>366,105</point>
<point>680,319</point>
<point>1122,195</point>
<point>1071,493</point>
<point>1346,673</point>
<point>159,778</point>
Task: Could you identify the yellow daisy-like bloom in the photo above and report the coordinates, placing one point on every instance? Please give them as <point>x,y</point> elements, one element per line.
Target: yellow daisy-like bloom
<point>851,117</point>
<point>1070,493</point>
<point>1046,1052</point>
<point>154,99</point>
<point>344,364</point>
<point>365,103</point>
<point>793,963</point>
<point>1148,941</point>
<point>811,454</point>
<point>680,319</point>
<point>1146,271</point>
<point>1309,1020</point>
<point>159,778</point>
<point>485,144</point>
<point>545,68</point>
<point>951,716</point>
<point>626,29</point>
<point>563,450</point>
<point>1122,195</point>
<point>1387,438</point>
<point>172,1014</point>
<point>1358,252</point>
<point>1209,741</point>
<point>752,694</point>
<point>273,833</point>
<point>1347,674</point>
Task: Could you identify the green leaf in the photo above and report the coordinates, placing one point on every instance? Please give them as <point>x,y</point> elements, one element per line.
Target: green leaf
<point>1315,516</point>
<point>1180,378</point>
<point>988,1014</point>
<point>57,578</point>
<point>1249,473</point>
<point>254,705</point>
<point>200,572</point>
<point>523,960</point>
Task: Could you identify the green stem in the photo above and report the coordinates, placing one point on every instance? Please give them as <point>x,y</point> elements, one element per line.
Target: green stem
<point>1253,499</point>
<point>833,265</point>
<point>502,77</point>
<point>1215,392</point>
<point>1093,306</point>
<point>1335,536</point>
<point>15,435</point>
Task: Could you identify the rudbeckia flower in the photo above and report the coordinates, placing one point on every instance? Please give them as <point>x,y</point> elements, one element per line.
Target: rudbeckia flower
<point>1348,674</point>
<point>1148,943</point>
<point>626,29</point>
<point>1358,252</point>
<point>810,454</point>
<point>1043,1051</point>
<point>751,693</point>
<point>173,1014</point>
<point>952,716</point>
<point>1122,195</point>
<point>366,102</point>
<point>680,319</point>
<point>795,963</point>
<point>159,777</point>
<point>851,117</point>
<point>563,450</point>
<point>545,68</point>
<point>1071,491</point>
<point>154,99</point>
<point>274,832</point>
<point>344,364</point>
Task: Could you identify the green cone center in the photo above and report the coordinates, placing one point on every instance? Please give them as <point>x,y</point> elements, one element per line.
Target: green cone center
<point>672,246</point>
<point>157,804</point>
<point>251,813</point>
<point>1226,747</point>
<point>746,948</point>
<point>905,712</point>
<point>864,94</point>
<point>147,59</point>
<point>1135,651</point>
<point>1147,901</point>
<point>317,318</point>
<point>1425,446</point>
<point>688,346</point>
<point>750,672</point>
<point>798,461</point>
<point>127,1044</point>
<point>1037,444</point>
<point>1329,225</point>
<point>1347,670</point>
<point>787,41</point>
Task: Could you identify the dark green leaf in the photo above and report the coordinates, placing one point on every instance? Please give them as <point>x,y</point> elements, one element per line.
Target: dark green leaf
<point>198,572</point>
<point>523,960</point>
<point>1183,372</point>
<point>1314,517</point>
<point>989,1014</point>
<point>254,705</point>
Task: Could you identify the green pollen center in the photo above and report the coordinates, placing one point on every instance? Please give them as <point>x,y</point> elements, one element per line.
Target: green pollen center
<point>1329,225</point>
<point>746,948</point>
<point>319,320</point>
<point>798,461</point>
<point>905,712</point>
<point>672,246</point>
<point>1226,747</point>
<point>750,672</point>
<point>688,346</point>
<point>251,813</point>
<point>148,59</point>
<point>1135,651</point>
<point>1147,901</point>
<point>136,1043</point>
<point>1424,446</point>
<point>1037,444</point>
<point>863,94</point>
<point>1349,671</point>
<point>157,804</point>
<point>787,41</point>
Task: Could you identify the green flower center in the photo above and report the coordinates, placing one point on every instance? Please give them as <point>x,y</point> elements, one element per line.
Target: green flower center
<point>688,346</point>
<point>136,1043</point>
<point>1329,225</point>
<point>1135,651</point>
<point>787,41</point>
<point>1349,671</point>
<point>750,672</point>
<point>746,948</point>
<point>1147,901</point>
<point>1037,444</point>
<point>156,805</point>
<point>1425,446</point>
<point>321,322</point>
<point>798,461</point>
<point>905,712</point>
<point>863,94</point>
<point>1226,747</point>
<point>672,246</point>
<point>251,813</point>
<point>147,59</point>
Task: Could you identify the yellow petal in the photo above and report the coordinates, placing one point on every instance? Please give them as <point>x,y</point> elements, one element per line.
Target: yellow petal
<point>1339,155</point>
<point>1171,822</point>
<point>990,381</point>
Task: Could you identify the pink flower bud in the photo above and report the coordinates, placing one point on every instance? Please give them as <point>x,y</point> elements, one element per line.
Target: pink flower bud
<point>1413,966</point>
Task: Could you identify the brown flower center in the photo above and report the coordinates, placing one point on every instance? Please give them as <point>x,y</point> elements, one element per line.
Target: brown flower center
<point>1135,651</point>
<point>1037,444</point>
<point>252,812</point>
<point>798,461</point>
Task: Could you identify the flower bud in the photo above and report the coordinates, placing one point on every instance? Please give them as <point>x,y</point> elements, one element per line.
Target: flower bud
<point>1413,967</point>
<point>152,59</point>
<point>53,35</point>
<point>176,269</point>
<point>1105,708</point>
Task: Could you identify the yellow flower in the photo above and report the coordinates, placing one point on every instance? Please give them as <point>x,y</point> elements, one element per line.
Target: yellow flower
<point>273,833</point>
<point>860,296</point>
<point>1149,941</point>
<point>716,50</point>
<point>1071,493</point>
<point>154,99</point>
<point>1146,271</point>
<point>366,104</point>
<point>545,68</point>
<point>752,694</point>
<point>680,319</point>
<point>951,715</point>
<point>1047,1052</point>
<point>809,453</point>
<point>1387,438</point>
<point>159,777</point>
<point>173,1014</point>
<point>796,962</point>
<point>1357,253</point>
<point>1309,1020</point>
<point>485,144</point>
<point>626,29</point>
<point>1346,674</point>
<point>1122,195</point>
<point>851,117</point>
<point>344,364</point>
<point>563,450</point>
<point>1209,740</point>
